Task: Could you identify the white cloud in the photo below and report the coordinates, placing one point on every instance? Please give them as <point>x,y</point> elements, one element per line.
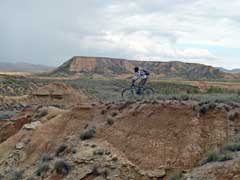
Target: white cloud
<point>157,29</point>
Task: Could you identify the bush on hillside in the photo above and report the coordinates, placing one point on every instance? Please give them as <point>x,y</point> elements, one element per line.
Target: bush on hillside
<point>88,134</point>
<point>176,176</point>
<point>16,175</point>
<point>110,121</point>
<point>61,167</point>
<point>232,115</point>
<point>217,156</point>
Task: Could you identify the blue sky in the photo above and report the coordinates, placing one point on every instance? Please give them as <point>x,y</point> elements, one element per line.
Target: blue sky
<point>50,32</point>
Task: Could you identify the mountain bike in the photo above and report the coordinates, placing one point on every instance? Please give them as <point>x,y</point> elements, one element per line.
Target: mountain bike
<point>137,93</point>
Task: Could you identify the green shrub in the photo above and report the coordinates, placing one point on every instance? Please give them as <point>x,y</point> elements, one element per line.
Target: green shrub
<point>176,176</point>
<point>74,151</point>
<point>225,156</point>
<point>232,115</point>
<point>215,90</point>
<point>217,156</point>
<point>61,167</point>
<point>114,114</point>
<point>46,158</point>
<point>212,156</point>
<point>110,121</point>
<point>232,147</point>
<point>16,175</point>
<point>204,109</point>
<point>184,97</point>
<point>88,134</point>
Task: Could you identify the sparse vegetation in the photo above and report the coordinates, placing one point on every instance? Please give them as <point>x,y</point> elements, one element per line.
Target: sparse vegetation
<point>74,150</point>
<point>212,156</point>
<point>225,156</point>
<point>232,115</point>
<point>232,147</point>
<point>46,158</point>
<point>110,121</point>
<point>217,155</point>
<point>109,89</point>
<point>16,175</point>
<point>88,134</point>
<point>114,114</point>
<point>61,167</point>
<point>176,176</point>
<point>203,109</point>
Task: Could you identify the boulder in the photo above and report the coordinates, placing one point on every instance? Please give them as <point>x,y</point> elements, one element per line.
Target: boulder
<point>32,126</point>
<point>7,115</point>
<point>159,173</point>
<point>19,146</point>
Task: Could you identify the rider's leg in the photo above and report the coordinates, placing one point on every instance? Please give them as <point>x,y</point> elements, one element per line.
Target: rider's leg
<point>141,85</point>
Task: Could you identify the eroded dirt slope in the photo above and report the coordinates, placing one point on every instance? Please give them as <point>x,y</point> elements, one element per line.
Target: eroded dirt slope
<point>132,140</point>
<point>155,136</point>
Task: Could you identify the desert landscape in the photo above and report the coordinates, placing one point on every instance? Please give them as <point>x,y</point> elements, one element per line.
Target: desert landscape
<point>119,90</point>
<point>70,122</point>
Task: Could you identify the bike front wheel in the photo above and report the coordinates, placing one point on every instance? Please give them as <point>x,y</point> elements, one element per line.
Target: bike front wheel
<point>128,94</point>
<point>148,94</point>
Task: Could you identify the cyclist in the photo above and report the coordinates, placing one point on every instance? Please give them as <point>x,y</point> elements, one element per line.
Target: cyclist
<point>140,74</point>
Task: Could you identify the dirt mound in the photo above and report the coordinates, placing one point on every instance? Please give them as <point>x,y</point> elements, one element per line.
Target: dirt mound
<point>142,141</point>
<point>168,136</point>
<point>54,89</point>
<point>58,94</point>
<point>8,128</point>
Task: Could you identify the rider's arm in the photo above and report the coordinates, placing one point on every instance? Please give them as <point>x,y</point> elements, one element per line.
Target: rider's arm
<point>135,77</point>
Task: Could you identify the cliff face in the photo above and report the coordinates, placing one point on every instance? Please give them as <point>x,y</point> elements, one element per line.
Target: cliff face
<point>112,66</point>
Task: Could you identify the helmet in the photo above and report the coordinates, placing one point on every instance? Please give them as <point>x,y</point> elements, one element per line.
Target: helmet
<point>136,69</point>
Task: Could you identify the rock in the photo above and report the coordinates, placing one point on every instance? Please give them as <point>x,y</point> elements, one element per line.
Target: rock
<point>26,140</point>
<point>114,158</point>
<point>154,174</point>
<point>19,146</point>
<point>7,114</point>
<point>99,178</point>
<point>41,113</point>
<point>19,106</point>
<point>32,126</point>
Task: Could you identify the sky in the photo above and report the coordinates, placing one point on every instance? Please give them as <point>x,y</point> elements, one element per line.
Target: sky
<point>52,31</point>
